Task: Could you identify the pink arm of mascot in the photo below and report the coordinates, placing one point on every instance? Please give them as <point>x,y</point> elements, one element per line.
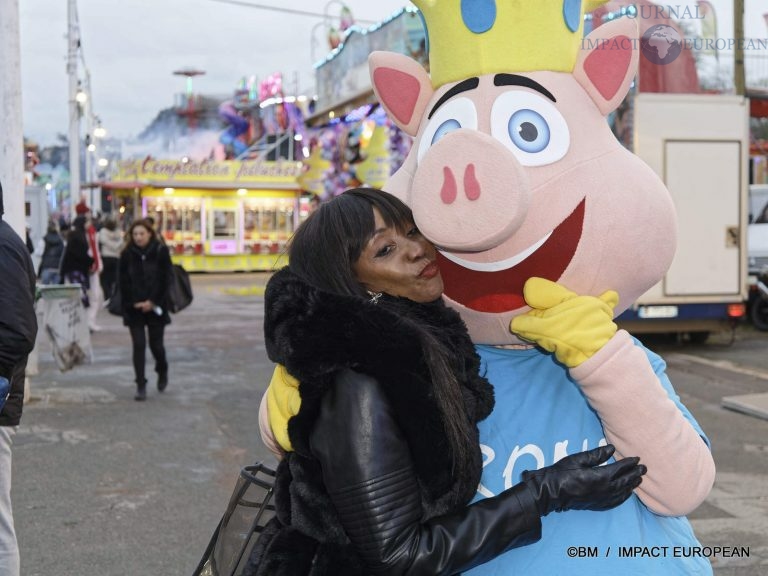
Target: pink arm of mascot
<point>518,179</point>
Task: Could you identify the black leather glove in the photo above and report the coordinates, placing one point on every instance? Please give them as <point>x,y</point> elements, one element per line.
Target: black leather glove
<point>578,482</point>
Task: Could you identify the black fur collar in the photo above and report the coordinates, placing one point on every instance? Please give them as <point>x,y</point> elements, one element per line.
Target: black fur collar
<point>315,334</point>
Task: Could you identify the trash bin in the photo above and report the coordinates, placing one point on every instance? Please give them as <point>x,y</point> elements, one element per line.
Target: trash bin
<point>66,325</point>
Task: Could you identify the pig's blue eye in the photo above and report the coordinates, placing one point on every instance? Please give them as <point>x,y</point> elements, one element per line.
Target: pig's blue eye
<point>456,114</point>
<point>529,131</point>
<point>444,128</point>
<point>530,126</point>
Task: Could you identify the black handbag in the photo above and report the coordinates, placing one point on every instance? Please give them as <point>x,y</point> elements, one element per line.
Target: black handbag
<point>250,508</point>
<point>115,303</point>
<point>179,289</point>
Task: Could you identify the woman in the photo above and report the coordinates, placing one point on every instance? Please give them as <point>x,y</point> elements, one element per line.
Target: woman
<point>111,242</point>
<point>76,262</point>
<point>145,266</point>
<point>52,252</point>
<point>382,451</point>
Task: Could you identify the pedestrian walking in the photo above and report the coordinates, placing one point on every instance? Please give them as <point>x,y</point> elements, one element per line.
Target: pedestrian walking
<point>76,262</point>
<point>18,329</point>
<point>144,270</point>
<point>111,241</point>
<point>95,295</point>
<point>53,250</point>
<point>380,437</point>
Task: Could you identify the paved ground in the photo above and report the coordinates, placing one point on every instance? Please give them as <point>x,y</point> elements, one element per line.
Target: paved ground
<point>107,486</point>
<point>736,511</point>
<point>104,485</point>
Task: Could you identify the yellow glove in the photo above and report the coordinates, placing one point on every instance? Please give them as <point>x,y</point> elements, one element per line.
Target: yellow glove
<point>572,327</point>
<point>283,402</point>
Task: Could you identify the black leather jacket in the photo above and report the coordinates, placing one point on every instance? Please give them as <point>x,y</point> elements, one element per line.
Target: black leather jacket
<point>368,471</point>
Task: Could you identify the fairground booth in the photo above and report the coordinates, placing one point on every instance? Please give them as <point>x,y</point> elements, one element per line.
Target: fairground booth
<point>214,216</point>
<point>696,63</point>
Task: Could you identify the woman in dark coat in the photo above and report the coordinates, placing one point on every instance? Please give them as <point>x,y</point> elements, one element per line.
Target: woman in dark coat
<point>145,266</point>
<point>52,253</point>
<point>382,455</point>
<point>76,262</point>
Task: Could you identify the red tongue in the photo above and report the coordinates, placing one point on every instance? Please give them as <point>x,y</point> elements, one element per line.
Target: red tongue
<point>502,291</point>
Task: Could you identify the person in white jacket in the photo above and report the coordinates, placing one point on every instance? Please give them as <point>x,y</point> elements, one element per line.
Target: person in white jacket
<point>111,242</point>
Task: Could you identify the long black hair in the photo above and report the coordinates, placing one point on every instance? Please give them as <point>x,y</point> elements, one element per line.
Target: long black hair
<point>324,248</point>
<point>323,251</point>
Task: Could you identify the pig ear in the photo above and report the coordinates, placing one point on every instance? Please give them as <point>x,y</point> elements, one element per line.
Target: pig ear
<point>402,86</point>
<point>608,61</point>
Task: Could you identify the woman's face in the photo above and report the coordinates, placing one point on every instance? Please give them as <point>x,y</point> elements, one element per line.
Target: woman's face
<point>399,264</point>
<point>140,236</point>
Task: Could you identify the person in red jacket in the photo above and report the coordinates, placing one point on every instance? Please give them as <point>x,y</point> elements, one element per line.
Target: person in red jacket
<point>95,293</point>
<point>76,262</point>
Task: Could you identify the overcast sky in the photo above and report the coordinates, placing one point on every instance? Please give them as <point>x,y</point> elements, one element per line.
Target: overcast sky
<point>132,48</point>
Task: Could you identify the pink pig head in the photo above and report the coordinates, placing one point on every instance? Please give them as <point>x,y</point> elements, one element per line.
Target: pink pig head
<point>517,174</point>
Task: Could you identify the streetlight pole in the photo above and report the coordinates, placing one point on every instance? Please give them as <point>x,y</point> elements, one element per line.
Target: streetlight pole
<point>73,38</point>
<point>88,139</point>
<point>93,134</point>
<point>326,24</point>
<point>11,135</point>
<point>326,14</point>
<point>739,79</point>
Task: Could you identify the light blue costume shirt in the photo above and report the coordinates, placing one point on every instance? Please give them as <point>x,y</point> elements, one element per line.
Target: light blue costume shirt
<point>540,416</point>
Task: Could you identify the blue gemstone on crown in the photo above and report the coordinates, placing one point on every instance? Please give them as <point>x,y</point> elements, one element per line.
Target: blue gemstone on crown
<point>572,14</point>
<point>478,15</point>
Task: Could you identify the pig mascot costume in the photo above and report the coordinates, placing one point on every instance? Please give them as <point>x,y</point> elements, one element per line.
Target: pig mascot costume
<point>548,228</point>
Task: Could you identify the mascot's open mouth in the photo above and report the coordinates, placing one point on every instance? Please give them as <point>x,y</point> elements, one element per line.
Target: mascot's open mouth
<point>498,287</point>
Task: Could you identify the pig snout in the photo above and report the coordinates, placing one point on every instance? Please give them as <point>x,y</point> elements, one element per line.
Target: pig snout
<point>469,192</point>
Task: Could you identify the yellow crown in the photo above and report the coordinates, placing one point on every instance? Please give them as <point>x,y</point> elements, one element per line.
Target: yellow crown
<point>473,37</point>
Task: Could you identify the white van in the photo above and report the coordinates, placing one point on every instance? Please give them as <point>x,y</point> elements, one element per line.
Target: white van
<point>757,230</point>
<point>704,166</point>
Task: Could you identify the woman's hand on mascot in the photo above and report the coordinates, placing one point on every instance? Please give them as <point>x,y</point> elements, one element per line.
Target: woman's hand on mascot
<point>570,326</point>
